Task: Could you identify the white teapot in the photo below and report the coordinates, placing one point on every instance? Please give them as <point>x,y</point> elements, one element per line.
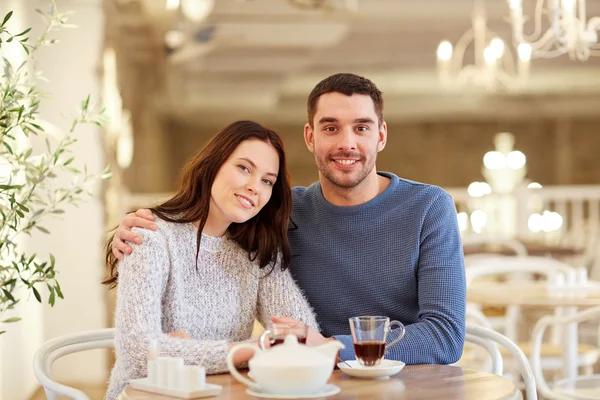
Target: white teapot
<point>290,367</point>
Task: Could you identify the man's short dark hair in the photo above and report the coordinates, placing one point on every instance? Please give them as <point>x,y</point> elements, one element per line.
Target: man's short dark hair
<point>347,84</point>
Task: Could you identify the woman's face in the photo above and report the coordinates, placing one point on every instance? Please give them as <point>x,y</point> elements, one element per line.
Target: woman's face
<point>243,185</point>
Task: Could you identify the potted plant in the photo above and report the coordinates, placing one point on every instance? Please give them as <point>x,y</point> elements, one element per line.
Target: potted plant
<point>29,189</point>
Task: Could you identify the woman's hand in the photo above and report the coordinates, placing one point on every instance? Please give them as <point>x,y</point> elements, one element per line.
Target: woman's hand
<point>313,338</point>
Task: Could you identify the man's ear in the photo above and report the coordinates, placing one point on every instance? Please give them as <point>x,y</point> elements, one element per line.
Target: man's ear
<point>382,137</point>
<point>309,137</point>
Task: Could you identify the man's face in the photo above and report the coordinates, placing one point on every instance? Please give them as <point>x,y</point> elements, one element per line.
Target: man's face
<point>345,138</point>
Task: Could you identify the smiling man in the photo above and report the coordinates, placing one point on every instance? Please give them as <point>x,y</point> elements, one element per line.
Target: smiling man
<point>365,242</point>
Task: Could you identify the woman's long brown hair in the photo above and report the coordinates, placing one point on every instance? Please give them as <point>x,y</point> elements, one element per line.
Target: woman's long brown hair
<point>264,236</point>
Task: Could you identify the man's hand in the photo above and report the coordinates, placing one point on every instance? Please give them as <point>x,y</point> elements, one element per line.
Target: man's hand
<point>313,338</point>
<point>142,218</point>
<point>179,334</point>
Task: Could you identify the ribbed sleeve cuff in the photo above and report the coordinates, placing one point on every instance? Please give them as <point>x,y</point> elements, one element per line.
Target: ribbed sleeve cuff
<point>346,353</point>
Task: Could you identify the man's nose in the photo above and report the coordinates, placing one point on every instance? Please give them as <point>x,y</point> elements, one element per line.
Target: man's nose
<point>347,140</point>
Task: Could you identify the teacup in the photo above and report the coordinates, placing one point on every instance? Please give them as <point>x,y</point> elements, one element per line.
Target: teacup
<point>369,334</point>
<point>277,331</point>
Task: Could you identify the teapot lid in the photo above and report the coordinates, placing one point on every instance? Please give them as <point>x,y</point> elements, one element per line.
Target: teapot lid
<point>290,353</point>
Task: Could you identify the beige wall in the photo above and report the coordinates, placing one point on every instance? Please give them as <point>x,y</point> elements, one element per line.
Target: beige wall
<point>446,153</point>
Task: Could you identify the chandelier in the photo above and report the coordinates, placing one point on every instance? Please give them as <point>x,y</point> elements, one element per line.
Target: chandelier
<point>568,30</point>
<point>493,64</point>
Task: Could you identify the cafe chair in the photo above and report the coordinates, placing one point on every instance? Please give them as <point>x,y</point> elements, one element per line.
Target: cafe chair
<point>60,346</point>
<point>566,389</point>
<point>508,267</point>
<point>490,339</point>
<point>485,337</point>
<point>472,357</point>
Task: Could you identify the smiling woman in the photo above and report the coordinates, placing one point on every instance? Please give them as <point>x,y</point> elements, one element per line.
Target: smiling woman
<point>215,262</point>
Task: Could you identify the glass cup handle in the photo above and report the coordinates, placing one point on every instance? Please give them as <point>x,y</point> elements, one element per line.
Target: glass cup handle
<point>400,336</point>
<point>261,339</point>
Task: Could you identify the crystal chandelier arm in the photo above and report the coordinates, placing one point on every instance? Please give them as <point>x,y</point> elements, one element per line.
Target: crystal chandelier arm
<point>541,43</point>
<point>506,80</point>
<point>537,25</point>
<point>460,48</point>
<point>465,74</point>
<point>518,21</point>
<point>593,24</point>
<point>582,14</point>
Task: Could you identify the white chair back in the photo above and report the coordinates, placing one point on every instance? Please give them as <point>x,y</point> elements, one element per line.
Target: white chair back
<point>536,346</point>
<point>482,335</point>
<point>515,246</point>
<point>506,265</point>
<point>61,346</point>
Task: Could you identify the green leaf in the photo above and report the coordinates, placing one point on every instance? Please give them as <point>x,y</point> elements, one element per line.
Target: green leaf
<point>52,260</point>
<point>38,127</point>
<point>8,148</point>
<point>41,228</point>
<point>9,187</point>
<point>13,319</point>
<point>36,294</point>
<point>26,31</point>
<point>52,298</point>
<point>1,332</point>
<point>58,291</point>
<point>86,103</point>
<point>69,161</point>
<point>22,207</point>
<point>9,282</point>
<point>25,48</point>
<point>6,18</point>
<point>8,295</point>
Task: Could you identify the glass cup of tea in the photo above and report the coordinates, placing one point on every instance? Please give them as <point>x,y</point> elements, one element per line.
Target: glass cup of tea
<point>276,333</point>
<point>368,335</point>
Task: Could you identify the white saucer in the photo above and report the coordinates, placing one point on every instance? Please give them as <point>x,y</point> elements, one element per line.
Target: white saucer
<point>208,390</point>
<point>327,390</point>
<point>385,368</point>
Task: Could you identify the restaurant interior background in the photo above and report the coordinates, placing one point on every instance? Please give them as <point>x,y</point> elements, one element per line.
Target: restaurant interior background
<point>171,76</point>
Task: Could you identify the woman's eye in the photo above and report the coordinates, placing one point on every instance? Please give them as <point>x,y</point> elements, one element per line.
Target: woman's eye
<point>268,182</point>
<point>244,168</point>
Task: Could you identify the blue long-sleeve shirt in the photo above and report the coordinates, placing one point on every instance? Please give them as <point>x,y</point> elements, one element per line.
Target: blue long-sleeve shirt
<point>398,255</point>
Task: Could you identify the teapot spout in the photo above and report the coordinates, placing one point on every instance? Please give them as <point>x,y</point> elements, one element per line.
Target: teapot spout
<point>330,349</point>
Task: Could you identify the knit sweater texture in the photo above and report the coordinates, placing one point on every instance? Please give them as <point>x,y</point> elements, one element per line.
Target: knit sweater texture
<point>162,290</point>
<point>398,255</point>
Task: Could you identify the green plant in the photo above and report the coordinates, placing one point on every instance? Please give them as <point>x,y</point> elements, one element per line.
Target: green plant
<point>29,190</point>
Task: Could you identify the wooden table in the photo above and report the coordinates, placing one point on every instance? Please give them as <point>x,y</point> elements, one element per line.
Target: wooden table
<point>529,293</point>
<point>414,382</point>
<point>535,294</point>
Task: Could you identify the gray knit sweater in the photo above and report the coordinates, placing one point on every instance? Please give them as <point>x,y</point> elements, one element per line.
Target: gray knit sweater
<point>161,290</point>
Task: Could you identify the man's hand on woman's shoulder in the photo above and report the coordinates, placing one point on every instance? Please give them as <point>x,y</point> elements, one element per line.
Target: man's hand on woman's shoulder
<point>142,218</point>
